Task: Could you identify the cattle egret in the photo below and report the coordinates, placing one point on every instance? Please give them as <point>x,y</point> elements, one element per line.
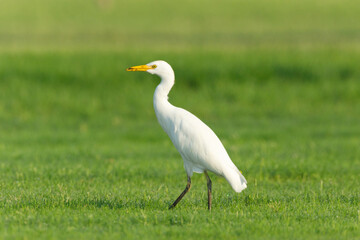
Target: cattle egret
<point>197,144</point>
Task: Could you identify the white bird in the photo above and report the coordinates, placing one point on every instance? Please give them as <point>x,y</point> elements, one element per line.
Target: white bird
<point>197,144</point>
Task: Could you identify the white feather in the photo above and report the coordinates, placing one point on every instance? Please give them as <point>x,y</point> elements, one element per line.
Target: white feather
<point>198,145</point>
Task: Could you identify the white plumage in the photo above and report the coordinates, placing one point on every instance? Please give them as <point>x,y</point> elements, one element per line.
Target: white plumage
<point>198,145</point>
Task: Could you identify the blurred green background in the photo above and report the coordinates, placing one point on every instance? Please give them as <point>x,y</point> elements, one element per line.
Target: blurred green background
<point>83,157</point>
<point>185,25</point>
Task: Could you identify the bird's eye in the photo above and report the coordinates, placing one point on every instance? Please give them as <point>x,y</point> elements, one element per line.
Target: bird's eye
<point>153,66</point>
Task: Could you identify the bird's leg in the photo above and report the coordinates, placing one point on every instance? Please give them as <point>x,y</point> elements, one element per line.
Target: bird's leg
<point>209,189</point>
<point>187,188</point>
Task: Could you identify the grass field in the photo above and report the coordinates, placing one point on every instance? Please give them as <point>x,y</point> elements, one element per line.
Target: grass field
<point>83,157</point>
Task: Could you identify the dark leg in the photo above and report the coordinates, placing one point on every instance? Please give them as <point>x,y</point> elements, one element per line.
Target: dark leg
<point>209,189</point>
<point>187,188</point>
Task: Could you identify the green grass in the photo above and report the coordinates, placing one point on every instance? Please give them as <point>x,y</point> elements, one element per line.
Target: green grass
<point>82,154</point>
<point>202,24</point>
<point>83,157</point>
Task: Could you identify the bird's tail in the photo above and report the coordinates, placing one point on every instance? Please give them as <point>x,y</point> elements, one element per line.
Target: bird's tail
<point>236,180</point>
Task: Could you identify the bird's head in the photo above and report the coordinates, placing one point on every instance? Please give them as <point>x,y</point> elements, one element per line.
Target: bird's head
<point>160,68</point>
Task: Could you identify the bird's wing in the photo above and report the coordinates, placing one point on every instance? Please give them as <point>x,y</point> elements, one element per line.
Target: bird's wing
<point>198,143</point>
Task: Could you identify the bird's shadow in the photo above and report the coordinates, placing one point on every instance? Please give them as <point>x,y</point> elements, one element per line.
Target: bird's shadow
<point>116,204</point>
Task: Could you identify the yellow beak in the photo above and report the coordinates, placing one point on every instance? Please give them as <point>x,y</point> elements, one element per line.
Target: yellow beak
<point>141,68</point>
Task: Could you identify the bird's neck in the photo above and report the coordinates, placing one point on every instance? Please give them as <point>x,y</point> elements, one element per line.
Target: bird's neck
<point>161,105</point>
<point>163,89</point>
